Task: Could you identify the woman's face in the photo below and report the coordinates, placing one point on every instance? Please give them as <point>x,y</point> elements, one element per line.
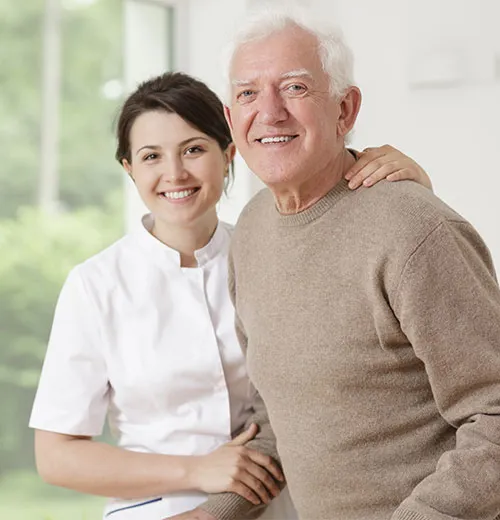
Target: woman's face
<point>178,170</point>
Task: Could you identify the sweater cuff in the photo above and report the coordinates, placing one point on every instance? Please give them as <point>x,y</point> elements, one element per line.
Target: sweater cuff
<point>405,514</point>
<point>230,506</point>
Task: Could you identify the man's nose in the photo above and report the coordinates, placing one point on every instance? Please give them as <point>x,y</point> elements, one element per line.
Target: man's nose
<point>271,108</point>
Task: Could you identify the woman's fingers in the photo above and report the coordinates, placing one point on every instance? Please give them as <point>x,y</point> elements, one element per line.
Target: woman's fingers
<point>378,168</point>
<point>364,174</point>
<point>245,436</point>
<point>367,156</point>
<point>255,485</point>
<point>266,462</point>
<point>265,478</point>
<point>382,173</point>
<point>234,467</point>
<point>385,162</point>
<point>244,491</point>
<point>401,175</point>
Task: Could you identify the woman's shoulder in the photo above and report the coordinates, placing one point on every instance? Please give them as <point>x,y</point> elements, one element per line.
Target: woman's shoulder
<point>105,267</point>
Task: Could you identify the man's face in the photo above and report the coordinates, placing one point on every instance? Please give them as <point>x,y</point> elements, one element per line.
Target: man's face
<point>283,118</point>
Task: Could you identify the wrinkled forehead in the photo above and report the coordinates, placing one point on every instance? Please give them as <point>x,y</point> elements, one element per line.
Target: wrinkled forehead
<point>287,53</point>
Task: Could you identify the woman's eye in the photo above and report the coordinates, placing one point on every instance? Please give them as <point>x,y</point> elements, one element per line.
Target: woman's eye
<point>194,149</point>
<point>150,157</point>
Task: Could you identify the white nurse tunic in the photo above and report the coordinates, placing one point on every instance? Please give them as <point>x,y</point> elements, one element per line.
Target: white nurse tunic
<point>151,345</point>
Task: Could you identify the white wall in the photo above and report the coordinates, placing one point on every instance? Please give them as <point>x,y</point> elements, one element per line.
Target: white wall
<point>430,74</point>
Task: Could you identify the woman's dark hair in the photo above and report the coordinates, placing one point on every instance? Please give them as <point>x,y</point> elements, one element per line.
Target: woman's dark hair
<point>179,93</point>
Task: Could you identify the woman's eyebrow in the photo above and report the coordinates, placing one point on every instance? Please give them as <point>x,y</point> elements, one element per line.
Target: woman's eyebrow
<point>182,143</point>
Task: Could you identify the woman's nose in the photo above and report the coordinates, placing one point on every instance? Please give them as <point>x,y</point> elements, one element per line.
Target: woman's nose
<point>174,171</point>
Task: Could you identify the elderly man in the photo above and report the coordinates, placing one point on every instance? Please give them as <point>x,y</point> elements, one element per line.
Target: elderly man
<point>370,318</point>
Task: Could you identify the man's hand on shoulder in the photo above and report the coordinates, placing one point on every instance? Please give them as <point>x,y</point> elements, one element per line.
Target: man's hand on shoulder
<point>194,514</point>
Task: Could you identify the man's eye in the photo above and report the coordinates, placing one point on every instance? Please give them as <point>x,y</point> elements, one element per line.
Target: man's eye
<point>245,94</point>
<point>295,88</point>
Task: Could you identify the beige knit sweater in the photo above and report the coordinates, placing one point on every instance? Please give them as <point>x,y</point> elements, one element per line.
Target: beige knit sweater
<point>372,328</point>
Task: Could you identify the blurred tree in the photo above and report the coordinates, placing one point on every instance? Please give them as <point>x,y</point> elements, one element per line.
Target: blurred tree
<point>38,250</point>
<point>91,87</point>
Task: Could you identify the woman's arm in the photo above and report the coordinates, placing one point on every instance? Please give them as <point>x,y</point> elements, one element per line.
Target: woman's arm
<point>385,162</point>
<point>92,467</point>
<point>72,399</point>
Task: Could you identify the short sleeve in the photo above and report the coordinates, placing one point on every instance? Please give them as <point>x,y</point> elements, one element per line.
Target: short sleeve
<point>72,395</point>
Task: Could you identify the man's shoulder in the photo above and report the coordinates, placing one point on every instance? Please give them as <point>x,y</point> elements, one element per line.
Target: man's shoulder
<point>255,211</point>
<point>398,216</point>
<point>408,203</point>
<point>253,220</point>
<point>262,200</point>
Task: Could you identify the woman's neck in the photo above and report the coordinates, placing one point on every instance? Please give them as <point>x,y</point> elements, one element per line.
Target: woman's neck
<point>186,239</point>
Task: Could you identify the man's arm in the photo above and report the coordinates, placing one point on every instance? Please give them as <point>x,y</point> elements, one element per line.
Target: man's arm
<point>448,304</point>
<point>230,506</point>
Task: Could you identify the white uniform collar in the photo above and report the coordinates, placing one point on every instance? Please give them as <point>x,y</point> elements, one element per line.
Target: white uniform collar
<point>217,245</point>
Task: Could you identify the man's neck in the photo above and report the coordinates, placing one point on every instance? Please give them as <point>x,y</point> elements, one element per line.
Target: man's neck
<point>295,199</point>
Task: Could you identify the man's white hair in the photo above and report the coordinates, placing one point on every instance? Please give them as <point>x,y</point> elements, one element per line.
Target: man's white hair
<point>335,55</point>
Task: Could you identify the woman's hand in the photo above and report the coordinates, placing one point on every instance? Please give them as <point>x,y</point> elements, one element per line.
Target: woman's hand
<point>238,469</point>
<point>385,162</point>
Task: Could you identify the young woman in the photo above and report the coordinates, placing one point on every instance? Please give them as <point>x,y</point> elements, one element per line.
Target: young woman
<point>143,331</point>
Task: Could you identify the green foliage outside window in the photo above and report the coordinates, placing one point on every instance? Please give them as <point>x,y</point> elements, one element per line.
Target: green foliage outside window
<point>37,249</point>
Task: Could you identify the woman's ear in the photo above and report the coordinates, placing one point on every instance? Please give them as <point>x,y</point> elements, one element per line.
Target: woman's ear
<point>128,168</point>
<point>229,153</point>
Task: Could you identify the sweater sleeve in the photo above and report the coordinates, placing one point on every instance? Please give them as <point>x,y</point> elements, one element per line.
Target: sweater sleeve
<point>448,304</point>
<point>230,506</point>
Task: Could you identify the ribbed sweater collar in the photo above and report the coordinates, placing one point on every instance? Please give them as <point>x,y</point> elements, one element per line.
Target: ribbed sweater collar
<point>337,193</point>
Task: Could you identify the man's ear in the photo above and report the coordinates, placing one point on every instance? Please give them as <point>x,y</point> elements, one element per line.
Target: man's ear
<point>227,114</point>
<point>128,168</point>
<point>349,110</point>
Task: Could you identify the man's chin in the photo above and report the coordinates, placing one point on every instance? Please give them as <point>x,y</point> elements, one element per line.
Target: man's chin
<point>277,176</point>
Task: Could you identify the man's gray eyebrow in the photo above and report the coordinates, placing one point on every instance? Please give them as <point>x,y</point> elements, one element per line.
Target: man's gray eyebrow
<point>296,74</point>
<point>241,82</point>
<point>286,75</point>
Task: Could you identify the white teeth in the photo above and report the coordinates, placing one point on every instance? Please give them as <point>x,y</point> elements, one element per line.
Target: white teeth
<point>178,194</point>
<point>281,139</point>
